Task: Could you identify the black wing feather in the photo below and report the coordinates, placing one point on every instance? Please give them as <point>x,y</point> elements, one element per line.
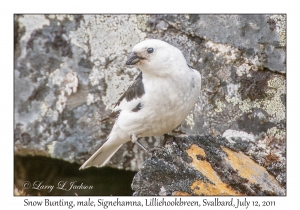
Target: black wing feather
<point>135,90</point>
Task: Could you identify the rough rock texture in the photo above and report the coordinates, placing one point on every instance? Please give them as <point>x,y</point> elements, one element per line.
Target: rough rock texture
<point>70,70</point>
<point>206,165</point>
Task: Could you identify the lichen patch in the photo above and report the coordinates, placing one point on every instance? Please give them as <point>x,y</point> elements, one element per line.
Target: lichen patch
<point>251,171</point>
<point>205,188</point>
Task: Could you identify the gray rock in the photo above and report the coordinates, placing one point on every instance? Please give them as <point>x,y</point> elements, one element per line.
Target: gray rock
<point>206,165</point>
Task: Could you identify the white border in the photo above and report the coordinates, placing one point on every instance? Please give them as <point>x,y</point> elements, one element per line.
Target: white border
<point>151,6</point>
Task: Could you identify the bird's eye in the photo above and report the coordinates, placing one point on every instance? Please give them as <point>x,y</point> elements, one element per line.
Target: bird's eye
<point>150,50</point>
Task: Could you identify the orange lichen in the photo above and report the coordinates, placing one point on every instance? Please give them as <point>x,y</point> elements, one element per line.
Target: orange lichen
<point>250,170</point>
<point>201,188</point>
<point>180,193</point>
<point>195,150</point>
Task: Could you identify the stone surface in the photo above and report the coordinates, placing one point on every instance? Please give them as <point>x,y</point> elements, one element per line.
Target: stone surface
<point>70,70</point>
<point>206,165</point>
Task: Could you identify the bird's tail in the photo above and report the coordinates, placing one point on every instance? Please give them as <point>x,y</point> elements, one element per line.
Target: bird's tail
<point>103,155</point>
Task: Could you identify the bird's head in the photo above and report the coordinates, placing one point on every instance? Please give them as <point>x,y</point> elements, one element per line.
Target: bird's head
<point>154,56</point>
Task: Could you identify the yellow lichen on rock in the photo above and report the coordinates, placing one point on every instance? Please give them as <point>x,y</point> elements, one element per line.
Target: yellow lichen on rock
<point>251,171</point>
<point>180,193</point>
<point>194,150</point>
<point>200,187</point>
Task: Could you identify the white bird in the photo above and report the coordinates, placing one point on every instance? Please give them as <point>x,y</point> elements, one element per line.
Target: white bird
<point>159,99</point>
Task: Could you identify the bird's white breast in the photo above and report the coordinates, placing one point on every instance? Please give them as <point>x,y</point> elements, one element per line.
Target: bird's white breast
<point>165,104</point>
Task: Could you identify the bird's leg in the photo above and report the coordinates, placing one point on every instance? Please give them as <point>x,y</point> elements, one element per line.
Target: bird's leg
<point>141,146</point>
<point>134,139</point>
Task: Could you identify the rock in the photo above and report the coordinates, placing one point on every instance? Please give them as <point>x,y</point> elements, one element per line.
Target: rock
<point>70,71</point>
<point>206,165</point>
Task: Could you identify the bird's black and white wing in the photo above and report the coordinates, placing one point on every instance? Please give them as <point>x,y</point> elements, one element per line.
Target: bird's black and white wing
<point>135,90</point>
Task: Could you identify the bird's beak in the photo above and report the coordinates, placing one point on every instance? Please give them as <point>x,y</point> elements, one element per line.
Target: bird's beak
<point>132,59</point>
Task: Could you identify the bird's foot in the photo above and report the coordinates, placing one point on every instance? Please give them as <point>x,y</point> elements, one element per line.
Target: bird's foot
<point>155,149</point>
<point>134,139</point>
